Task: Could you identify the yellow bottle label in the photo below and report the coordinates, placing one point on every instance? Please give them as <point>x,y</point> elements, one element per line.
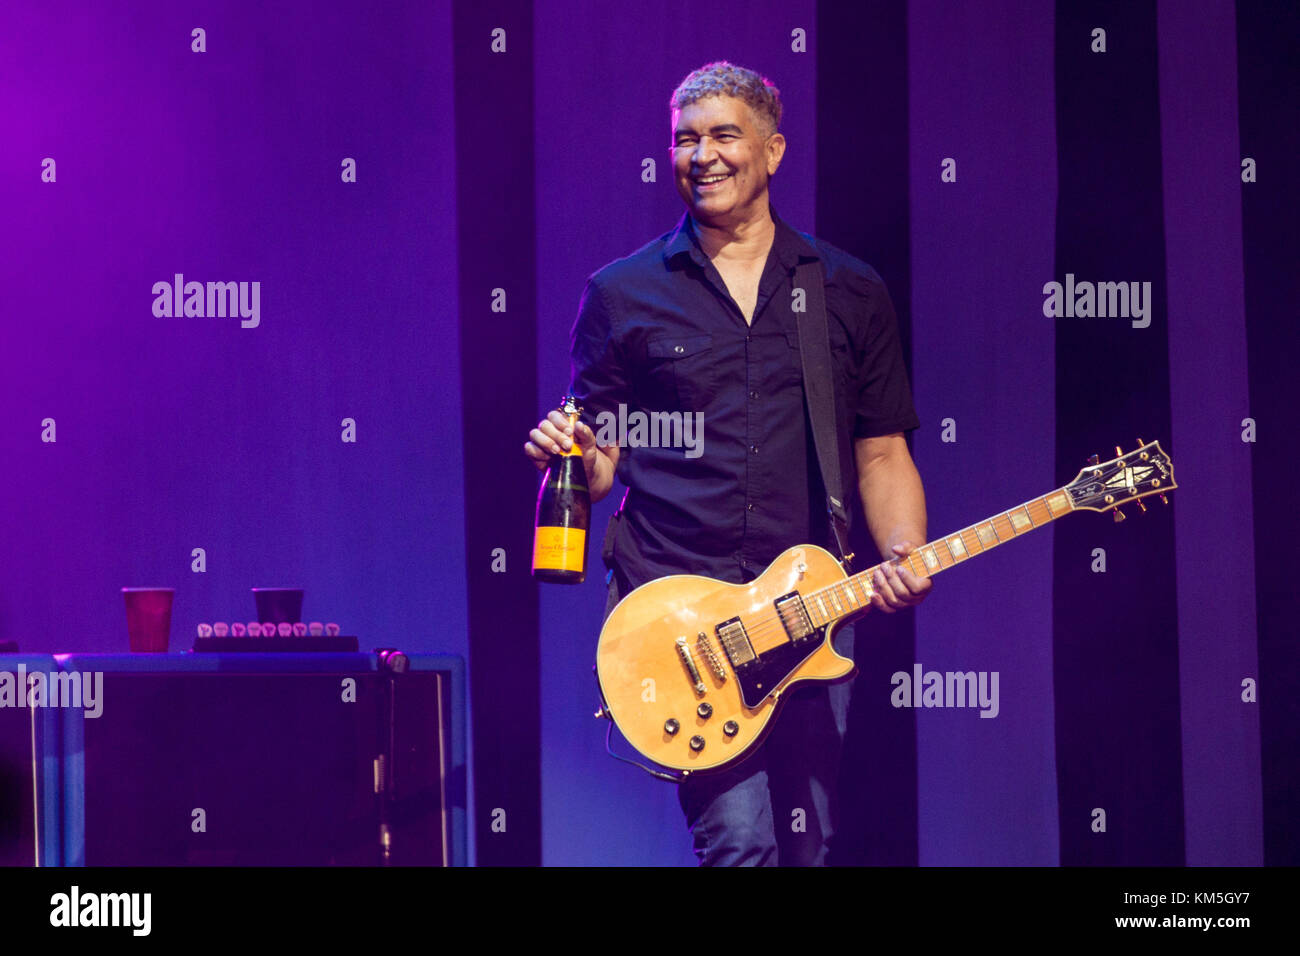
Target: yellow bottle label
<point>559,549</point>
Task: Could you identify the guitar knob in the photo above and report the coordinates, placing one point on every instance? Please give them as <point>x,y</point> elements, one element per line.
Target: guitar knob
<point>731,728</point>
<point>1119,516</point>
<point>671,726</point>
<point>697,743</point>
<point>705,710</point>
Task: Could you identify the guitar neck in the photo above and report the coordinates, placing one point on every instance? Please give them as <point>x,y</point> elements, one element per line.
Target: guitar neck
<point>830,604</point>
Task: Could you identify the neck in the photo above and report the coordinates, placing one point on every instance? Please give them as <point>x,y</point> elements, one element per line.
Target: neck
<point>854,593</point>
<point>744,239</point>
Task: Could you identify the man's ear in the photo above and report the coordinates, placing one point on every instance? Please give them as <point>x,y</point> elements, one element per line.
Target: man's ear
<point>775,148</point>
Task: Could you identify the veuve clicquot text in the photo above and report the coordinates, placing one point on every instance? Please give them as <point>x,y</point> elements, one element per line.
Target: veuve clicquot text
<point>563,513</point>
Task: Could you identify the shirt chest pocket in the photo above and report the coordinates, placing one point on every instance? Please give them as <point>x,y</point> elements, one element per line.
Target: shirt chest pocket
<point>681,372</point>
<point>841,361</point>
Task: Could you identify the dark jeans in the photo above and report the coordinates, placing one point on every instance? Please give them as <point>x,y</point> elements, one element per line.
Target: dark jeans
<point>778,807</point>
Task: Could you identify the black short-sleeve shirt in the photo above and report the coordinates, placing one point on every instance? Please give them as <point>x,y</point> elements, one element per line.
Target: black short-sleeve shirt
<point>658,333</point>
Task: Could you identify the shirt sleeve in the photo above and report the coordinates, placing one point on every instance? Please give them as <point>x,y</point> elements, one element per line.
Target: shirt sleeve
<point>598,375</point>
<point>884,404</point>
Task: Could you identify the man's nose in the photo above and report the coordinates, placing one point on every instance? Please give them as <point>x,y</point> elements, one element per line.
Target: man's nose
<point>704,153</point>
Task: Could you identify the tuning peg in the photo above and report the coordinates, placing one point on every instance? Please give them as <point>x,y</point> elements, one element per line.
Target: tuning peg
<point>1119,453</point>
<point>1143,507</point>
<point>1094,459</point>
<point>1140,442</point>
<point>1119,516</point>
<point>1164,499</point>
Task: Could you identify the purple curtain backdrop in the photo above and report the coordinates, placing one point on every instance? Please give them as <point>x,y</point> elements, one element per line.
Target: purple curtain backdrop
<point>983,356</point>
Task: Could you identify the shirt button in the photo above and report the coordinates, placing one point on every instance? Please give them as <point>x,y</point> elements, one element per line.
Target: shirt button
<point>748,338</point>
<point>679,349</point>
<point>753,394</point>
<point>750,506</point>
<point>754,449</point>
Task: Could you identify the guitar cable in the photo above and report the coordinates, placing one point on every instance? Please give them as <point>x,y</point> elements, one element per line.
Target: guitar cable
<point>609,747</point>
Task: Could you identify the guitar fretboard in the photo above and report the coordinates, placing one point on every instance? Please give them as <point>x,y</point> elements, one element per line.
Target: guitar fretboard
<point>853,594</point>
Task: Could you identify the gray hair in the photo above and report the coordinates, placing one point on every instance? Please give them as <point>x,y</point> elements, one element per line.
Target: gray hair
<point>726,79</point>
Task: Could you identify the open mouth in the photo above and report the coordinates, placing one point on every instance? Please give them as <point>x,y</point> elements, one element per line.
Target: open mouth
<point>708,184</point>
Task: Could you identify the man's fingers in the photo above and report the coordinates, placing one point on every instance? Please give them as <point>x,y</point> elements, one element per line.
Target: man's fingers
<point>536,455</point>
<point>914,583</point>
<point>888,601</point>
<point>547,443</point>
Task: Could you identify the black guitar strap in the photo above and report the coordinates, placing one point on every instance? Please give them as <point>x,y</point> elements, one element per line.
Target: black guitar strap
<point>819,390</point>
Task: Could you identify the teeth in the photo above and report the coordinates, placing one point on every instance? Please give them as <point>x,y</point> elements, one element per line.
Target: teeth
<point>712,179</point>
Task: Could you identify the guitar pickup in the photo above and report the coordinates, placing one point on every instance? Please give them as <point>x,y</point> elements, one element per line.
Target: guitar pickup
<point>735,642</point>
<point>794,616</point>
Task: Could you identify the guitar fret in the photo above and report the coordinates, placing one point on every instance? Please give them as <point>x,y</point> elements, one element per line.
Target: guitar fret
<point>1020,520</point>
<point>856,592</point>
<point>1038,512</point>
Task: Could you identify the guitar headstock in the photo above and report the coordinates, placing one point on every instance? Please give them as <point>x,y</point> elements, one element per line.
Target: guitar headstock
<point>1102,486</point>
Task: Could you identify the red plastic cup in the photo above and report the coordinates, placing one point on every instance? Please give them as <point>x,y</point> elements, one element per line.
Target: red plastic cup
<point>148,618</point>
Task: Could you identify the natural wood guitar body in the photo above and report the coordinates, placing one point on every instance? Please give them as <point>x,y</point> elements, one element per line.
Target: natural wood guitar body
<point>646,682</point>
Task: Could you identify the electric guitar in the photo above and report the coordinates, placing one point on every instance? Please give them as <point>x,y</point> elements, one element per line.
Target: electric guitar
<point>692,670</point>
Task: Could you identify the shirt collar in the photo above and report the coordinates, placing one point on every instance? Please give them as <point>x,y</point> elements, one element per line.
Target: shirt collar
<point>789,245</point>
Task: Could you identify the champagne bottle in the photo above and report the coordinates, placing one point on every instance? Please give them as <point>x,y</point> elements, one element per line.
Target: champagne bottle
<point>563,513</point>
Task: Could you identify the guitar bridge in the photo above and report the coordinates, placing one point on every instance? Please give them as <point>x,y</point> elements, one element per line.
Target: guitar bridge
<point>684,652</point>
<point>711,655</point>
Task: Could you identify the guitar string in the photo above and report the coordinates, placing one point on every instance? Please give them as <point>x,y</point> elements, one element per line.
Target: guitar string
<point>773,626</point>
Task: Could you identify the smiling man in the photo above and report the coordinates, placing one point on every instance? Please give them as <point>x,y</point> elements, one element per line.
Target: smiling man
<point>701,320</point>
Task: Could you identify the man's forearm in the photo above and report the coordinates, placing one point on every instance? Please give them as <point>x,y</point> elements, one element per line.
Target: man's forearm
<point>893,501</point>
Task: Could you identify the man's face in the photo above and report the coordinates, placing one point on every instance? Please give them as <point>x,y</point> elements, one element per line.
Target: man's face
<point>718,136</point>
